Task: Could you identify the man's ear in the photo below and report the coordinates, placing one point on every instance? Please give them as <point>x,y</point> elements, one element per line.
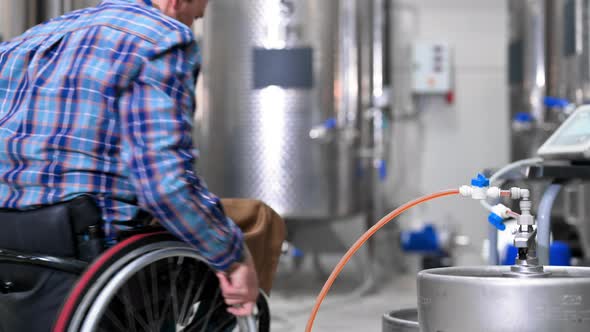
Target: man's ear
<point>176,4</point>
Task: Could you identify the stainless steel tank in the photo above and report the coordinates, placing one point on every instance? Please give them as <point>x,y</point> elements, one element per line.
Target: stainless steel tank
<point>536,65</point>
<point>484,299</point>
<point>407,130</point>
<point>281,104</point>
<point>16,16</point>
<point>577,50</point>
<point>401,321</point>
<point>52,8</point>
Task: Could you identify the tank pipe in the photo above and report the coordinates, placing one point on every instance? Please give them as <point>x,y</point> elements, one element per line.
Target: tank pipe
<point>513,214</point>
<point>544,222</point>
<point>507,169</point>
<point>493,256</point>
<point>362,240</point>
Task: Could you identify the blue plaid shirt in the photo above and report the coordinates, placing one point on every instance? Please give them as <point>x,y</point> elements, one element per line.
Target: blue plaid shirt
<point>100,101</point>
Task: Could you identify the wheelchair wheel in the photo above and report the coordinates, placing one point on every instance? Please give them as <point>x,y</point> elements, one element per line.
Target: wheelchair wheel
<point>155,283</point>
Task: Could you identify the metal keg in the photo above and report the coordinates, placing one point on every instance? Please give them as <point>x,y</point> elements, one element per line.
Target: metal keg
<point>405,320</point>
<point>492,299</point>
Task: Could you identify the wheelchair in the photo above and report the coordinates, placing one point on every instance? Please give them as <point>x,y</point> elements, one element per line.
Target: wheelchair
<point>149,281</point>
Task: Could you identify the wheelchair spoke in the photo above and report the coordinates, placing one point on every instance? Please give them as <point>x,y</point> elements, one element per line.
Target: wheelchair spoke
<point>128,308</point>
<point>113,318</point>
<point>211,311</point>
<point>163,313</point>
<point>169,290</point>
<point>184,311</point>
<point>132,313</point>
<point>146,301</point>
<point>170,300</point>
<point>226,323</point>
<point>155,299</point>
<point>199,292</point>
<point>174,273</point>
<point>192,310</point>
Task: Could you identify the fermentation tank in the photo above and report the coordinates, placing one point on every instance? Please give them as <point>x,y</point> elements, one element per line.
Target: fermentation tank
<point>577,50</point>
<point>537,62</point>
<point>407,133</point>
<point>280,114</point>
<point>16,16</point>
<point>48,9</point>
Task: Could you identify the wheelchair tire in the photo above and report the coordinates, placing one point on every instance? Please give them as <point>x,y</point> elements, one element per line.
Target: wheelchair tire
<point>159,270</point>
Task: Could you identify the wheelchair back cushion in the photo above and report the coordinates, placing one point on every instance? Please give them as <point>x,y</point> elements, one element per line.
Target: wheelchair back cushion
<point>48,230</point>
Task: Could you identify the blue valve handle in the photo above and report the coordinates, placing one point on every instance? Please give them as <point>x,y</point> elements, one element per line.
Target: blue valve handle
<point>480,181</point>
<point>497,221</point>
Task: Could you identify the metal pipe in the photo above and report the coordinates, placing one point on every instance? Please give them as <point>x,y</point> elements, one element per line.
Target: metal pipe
<point>534,53</point>
<point>504,171</point>
<point>493,255</point>
<point>544,222</point>
<point>378,86</point>
<point>403,31</point>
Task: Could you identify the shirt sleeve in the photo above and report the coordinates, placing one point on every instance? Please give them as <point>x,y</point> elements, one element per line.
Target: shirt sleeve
<point>155,112</point>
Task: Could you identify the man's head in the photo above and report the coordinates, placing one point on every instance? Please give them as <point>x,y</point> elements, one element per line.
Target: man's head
<point>185,11</point>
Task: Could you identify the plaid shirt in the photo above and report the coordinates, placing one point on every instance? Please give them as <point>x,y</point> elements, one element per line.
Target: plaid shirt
<point>100,101</point>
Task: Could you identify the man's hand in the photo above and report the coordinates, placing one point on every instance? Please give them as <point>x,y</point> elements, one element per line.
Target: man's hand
<point>239,286</point>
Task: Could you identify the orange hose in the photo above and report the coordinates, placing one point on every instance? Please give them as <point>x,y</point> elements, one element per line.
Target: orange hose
<point>358,244</point>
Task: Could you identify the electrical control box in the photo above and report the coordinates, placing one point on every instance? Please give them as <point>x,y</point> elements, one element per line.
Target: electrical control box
<point>433,66</point>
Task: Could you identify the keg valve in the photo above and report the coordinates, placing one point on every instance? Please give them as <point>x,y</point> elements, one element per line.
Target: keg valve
<point>525,240</point>
<point>525,236</point>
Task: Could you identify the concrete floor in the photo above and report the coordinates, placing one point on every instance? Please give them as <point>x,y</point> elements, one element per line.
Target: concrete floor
<point>294,295</point>
<point>295,289</point>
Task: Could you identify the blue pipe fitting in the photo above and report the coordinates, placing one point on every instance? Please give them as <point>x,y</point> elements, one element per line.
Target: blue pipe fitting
<point>425,240</point>
<point>382,170</point>
<point>330,123</point>
<point>560,254</point>
<point>523,117</point>
<point>497,221</point>
<point>554,102</point>
<point>480,181</point>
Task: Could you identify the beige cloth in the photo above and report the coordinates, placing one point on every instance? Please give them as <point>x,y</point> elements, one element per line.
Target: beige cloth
<point>264,232</point>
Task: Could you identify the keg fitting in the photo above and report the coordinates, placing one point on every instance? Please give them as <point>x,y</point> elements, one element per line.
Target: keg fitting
<point>525,240</point>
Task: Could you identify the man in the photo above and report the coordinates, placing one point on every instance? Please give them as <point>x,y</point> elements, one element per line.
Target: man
<point>99,102</point>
